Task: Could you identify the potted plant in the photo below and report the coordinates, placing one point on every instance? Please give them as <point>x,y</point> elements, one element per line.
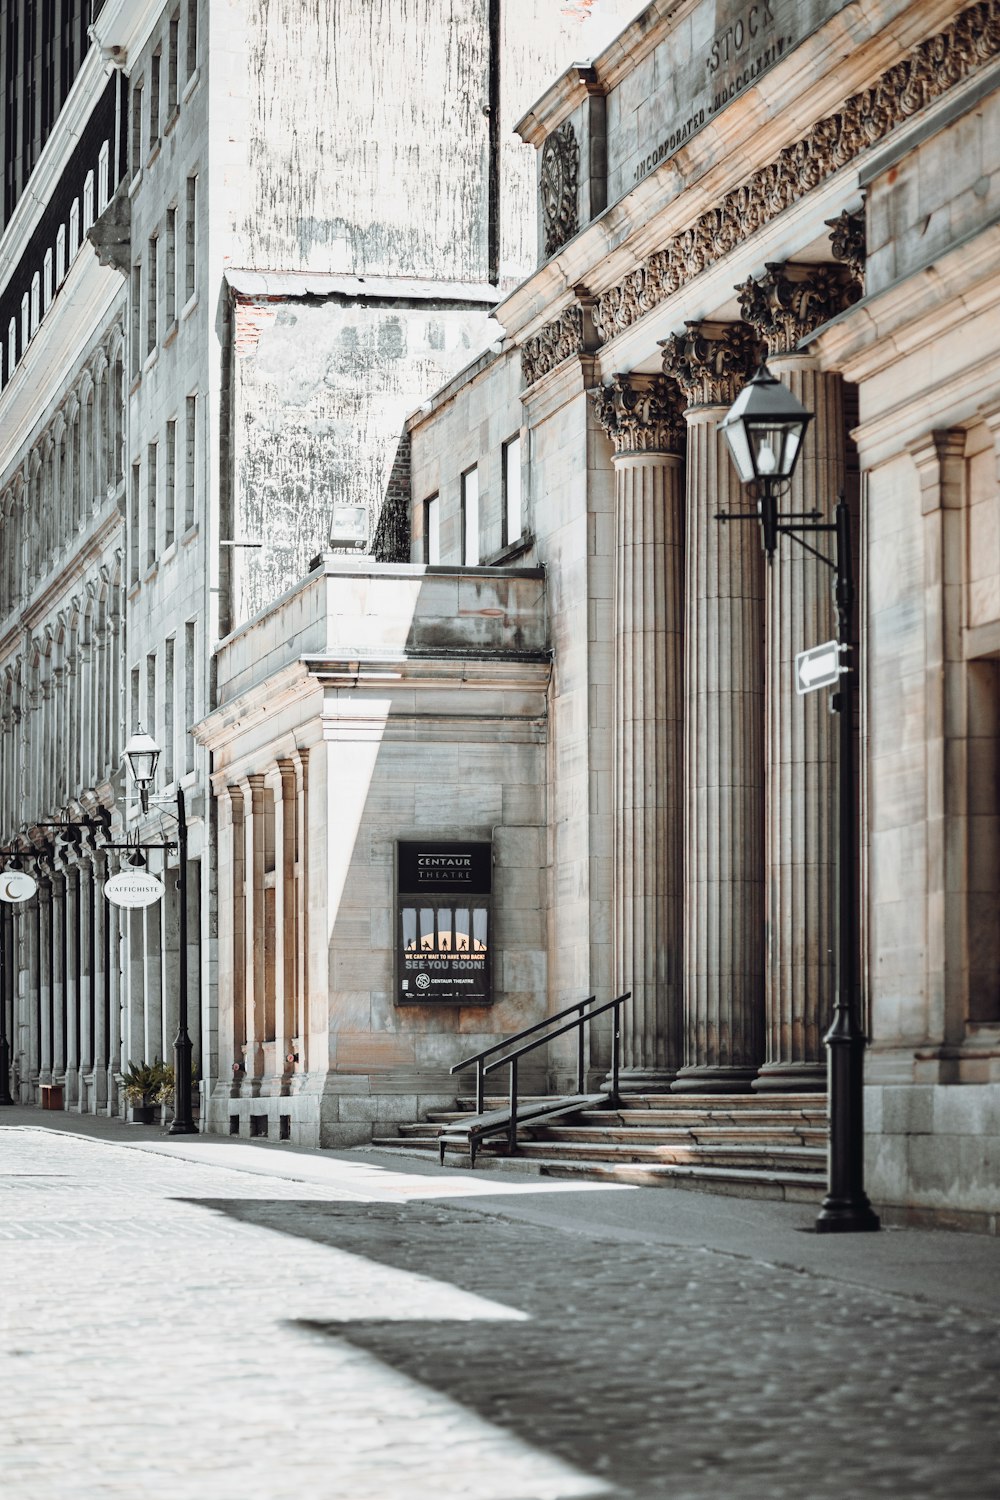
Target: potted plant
<point>165,1092</point>
<point>143,1085</point>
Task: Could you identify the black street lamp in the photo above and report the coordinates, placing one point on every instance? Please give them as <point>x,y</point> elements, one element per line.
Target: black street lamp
<point>765,428</point>
<point>142,753</point>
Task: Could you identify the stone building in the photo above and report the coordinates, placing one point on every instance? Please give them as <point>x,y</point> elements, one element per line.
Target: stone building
<point>583,672</point>
<point>239,245</point>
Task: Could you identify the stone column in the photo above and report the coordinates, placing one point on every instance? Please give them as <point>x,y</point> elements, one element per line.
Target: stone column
<point>724,729</point>
<point>73,918</point>
<point>300,1030</point>
<point>254,793</point>
<point>784,307</point>
<point>285,943</point>
<point>59,977</point>
<point>46,1061</point>
<point>643,417</point>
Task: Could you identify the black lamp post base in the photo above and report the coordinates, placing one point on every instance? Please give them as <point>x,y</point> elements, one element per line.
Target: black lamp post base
<point>182,1127</point>
<point>842,1217</point>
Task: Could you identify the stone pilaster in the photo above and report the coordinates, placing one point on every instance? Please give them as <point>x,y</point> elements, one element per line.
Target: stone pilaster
<point>283,783</point>
<point>785,306</point>
<point>724,702</point>
<point>254,827</point>
<point>642,415</point>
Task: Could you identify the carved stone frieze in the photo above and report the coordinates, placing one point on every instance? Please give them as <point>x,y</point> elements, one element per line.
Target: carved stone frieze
<point>847,241</point>
<point>558,183</point>
<point>932,68</point>
<point>557,341</point>
<point>641,414</point>
<point>790,301</point>
<point>711,362</point>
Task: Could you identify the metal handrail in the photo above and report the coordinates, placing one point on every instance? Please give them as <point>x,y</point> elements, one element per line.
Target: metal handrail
<point>511,1059</point>
<point>579,1006</point>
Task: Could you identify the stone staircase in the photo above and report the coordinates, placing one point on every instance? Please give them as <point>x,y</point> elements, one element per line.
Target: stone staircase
<point>746,1145</point>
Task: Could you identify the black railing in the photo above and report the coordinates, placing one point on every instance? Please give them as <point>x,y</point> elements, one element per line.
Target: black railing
<point>511,1059</point>
<point>479,1057</point>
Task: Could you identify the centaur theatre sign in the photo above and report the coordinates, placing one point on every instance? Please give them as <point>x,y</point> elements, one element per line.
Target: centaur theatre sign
<point>443,921</point>
<point>705,61</point>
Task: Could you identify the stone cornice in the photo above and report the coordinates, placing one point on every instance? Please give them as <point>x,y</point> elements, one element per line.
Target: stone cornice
<point>123,27</point>
<point>930,70</point>
<point>558,102</point>
<point>558,340</point>
<point>641,414</point>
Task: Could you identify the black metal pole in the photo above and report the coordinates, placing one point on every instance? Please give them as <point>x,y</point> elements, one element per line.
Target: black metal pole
<point>846,1208</point>
<point>182,1123</point>
<point>5,990</point>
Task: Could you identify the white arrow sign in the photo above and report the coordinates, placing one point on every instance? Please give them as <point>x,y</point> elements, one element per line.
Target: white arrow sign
<point>819,667</point>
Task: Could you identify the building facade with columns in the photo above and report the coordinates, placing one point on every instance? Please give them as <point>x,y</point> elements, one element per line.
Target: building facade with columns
<point>817,185</point>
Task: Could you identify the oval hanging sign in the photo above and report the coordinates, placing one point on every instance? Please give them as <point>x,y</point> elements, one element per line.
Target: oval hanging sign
<point>133,888</point>
<point>15,885</point>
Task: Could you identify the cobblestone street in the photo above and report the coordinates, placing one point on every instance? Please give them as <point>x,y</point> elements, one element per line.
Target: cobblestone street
<point>197,1317</point>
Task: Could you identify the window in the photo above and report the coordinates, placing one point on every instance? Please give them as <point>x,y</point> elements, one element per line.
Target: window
<point>74,229</point>
<point>189,713</point>
<point>151,497</point>
<point>170,270</point>
<point>11,346</point>
<point>25,322</point>
<point>168,711</point>
<point>60,254</point>
<point>47,281</point>
<point>192,36</point>
<point>137,129</point>
<point>190,442</point>
<point>88,201</point>
<point>36,301</point>
<point>513,518</point>
<point>154,100</point>
<point>175,22</point>
<point>432,530</point>
<point>133,547</point>
<point>104,178</point>
<point>136,354</point>
<point>170,461</point>
<point>190,238</point>
<point>151,294</point>
<point>151,702</point>
<point>134,699</point>
<point>470,518</point>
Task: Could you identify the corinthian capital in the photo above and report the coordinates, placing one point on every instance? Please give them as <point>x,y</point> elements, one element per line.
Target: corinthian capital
<point>711,361</point>
<point>847,241</point>
<point>789,302</point>
<point>641,414</point>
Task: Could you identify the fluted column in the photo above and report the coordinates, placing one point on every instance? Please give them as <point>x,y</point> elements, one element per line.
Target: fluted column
<point>784,306</point>
<point>642,415</point>
<point>724,730</point>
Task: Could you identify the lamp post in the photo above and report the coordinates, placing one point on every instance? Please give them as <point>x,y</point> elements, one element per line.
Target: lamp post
<point>142,753</point>
<point>765,428</point>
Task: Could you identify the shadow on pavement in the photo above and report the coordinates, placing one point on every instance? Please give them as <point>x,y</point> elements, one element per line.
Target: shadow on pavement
<point>669,1371</point>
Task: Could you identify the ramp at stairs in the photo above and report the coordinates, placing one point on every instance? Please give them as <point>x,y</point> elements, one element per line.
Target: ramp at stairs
<point>745,1145</point>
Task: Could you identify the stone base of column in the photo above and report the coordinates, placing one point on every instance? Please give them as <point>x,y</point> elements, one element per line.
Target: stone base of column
<point>791,1078</point>
<point>643,1080</point>
<point>696,1080</point>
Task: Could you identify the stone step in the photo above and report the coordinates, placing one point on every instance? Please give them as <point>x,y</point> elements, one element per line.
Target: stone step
<point>750,1158</point>
<point>792,1135</point>
<point>783,1104</point>
<point>738,1119</point>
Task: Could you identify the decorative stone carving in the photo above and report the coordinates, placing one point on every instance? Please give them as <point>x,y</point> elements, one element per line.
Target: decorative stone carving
<point>711,361</point>
<point>789,302</point>
<point>559,177</point>
<point>558,340</point>
<point>111,233</point>
<point>847,240</point>
<point>866,118</point>
<point>641,414</point>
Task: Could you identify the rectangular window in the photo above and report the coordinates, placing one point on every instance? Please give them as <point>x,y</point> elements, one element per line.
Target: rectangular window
<point>88,201</point>
<point>168,711</point>
<point>190,446</point>
<point>151,715</point>
<point>470,518</point>
<point>432,530</point>
<point>170,270</point>
<point>60,254</point>
<point>190,241</point>
<point>104,177</point>
<point>137,128</point>
<point>152,294</point>
<point>192,36</point>
<point>25,322</point>
<point>170,461</point>
<point>154,100</point>
<point>133,540</point>
<point>11,347</point>
<point>135,720</point>
<point>47,281</point>
<point>175,22</point>
<point>513,519</point>
<point>74,230</point>
<point>189,712</point>
<point>151,497</point>
<point>136,360</point>
<point>36,301</point>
